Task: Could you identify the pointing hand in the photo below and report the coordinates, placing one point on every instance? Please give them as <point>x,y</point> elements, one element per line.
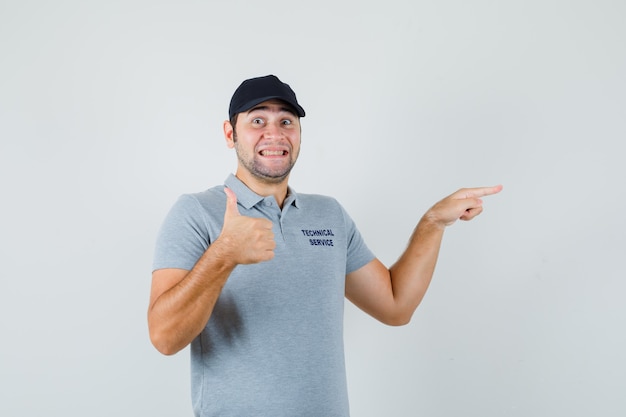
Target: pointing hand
<point>248,240</point>
<point>465,204</point>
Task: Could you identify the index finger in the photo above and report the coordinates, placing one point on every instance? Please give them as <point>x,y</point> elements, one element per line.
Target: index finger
<point>481,191</point>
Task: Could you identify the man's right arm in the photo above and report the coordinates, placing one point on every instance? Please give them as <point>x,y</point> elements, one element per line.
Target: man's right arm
<point>181,301</point>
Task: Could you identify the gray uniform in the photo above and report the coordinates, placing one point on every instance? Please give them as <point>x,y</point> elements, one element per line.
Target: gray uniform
<point>274,343</point>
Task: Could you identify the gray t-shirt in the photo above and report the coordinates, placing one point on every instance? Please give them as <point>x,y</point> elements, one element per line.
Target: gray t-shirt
<point>274,343</point>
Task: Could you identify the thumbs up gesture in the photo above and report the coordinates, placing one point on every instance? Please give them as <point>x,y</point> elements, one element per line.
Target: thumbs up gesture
<point>248,240</point>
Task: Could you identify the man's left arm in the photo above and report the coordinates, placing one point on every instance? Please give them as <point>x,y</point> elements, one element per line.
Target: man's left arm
<point>392,295</point>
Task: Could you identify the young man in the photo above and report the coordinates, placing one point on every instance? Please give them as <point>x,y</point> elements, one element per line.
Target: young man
<point>253,275</point>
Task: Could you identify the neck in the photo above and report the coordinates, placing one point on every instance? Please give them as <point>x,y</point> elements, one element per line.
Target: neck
<point>265,188</point>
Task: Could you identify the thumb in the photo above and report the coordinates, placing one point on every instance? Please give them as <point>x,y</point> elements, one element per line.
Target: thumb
<point>231,203</point>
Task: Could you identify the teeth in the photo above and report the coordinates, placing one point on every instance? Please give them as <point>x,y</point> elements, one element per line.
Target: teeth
<point>272,153</point>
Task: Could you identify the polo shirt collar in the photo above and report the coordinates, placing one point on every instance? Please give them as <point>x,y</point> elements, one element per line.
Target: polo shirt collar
<point>248,198</point>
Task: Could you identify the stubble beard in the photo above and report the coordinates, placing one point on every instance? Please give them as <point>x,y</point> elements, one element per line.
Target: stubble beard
<point>263,173</point>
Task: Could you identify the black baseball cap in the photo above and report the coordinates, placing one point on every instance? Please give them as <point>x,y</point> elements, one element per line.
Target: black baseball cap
<point>257,90</point>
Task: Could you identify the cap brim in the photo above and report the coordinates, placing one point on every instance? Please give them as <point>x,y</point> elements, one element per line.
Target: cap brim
<point>250,104</point>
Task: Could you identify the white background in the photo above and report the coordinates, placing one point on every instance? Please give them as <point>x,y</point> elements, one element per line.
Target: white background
<point>110,110</point>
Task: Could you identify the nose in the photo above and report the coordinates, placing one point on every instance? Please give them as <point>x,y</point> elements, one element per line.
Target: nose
<point>273,131</point>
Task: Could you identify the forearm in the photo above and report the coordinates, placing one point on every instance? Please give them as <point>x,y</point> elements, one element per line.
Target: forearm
<point>412,273</point>
<point>179,314</point>
<point>392,295</point>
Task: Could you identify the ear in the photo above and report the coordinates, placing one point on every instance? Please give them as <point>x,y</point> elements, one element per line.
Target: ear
<point>228,134</point>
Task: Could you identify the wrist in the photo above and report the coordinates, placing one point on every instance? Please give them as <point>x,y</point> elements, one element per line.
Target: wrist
<point>430,221</point>
<point>223,251</point>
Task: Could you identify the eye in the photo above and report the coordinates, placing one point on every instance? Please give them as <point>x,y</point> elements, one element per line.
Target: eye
<point>257,121</point>
<point>287,122</point>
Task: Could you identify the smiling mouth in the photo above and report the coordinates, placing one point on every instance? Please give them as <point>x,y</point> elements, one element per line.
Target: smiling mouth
<point>273,153</point>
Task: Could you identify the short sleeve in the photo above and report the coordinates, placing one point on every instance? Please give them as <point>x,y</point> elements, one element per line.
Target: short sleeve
<point>358,254</point>
<point>183,236</point>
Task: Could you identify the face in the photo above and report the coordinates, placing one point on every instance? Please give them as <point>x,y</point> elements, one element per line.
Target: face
<point>267,141</point>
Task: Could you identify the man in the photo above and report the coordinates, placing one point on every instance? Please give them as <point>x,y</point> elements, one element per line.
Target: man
<point>253,275</point>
